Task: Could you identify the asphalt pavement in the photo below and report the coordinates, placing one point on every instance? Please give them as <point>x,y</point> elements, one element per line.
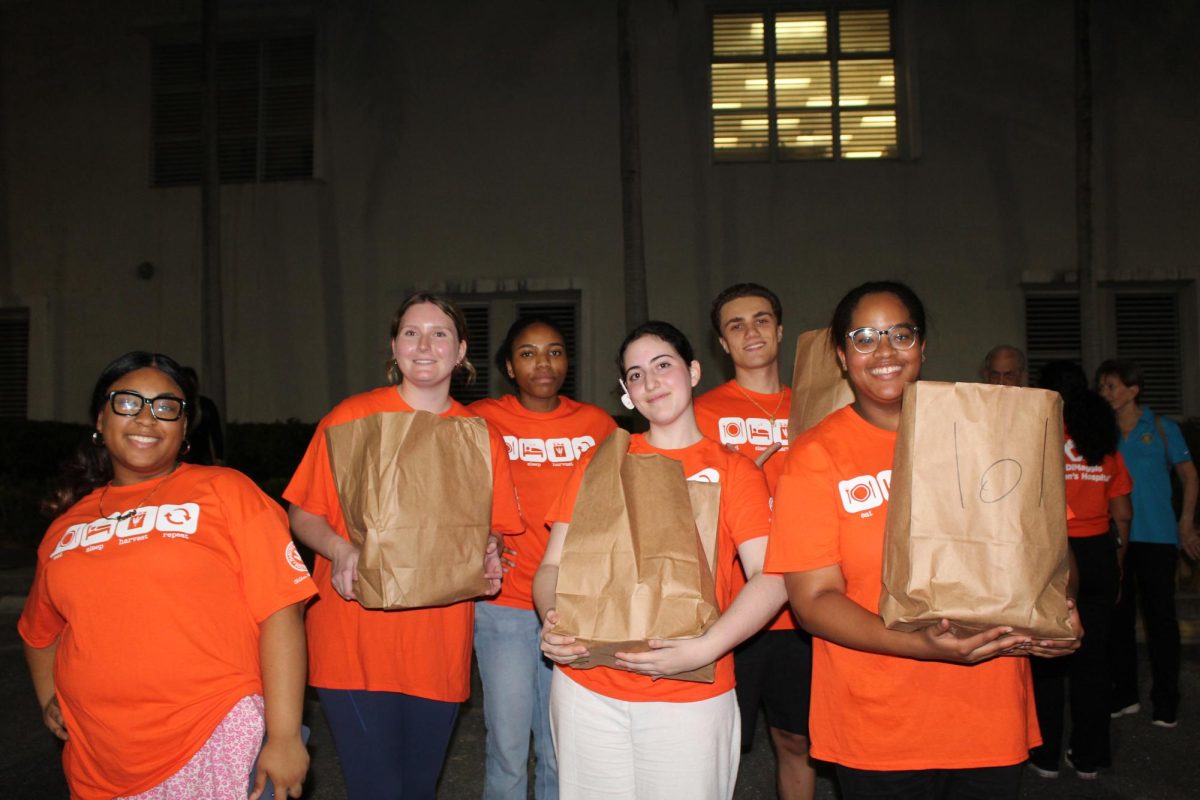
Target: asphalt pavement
<point>1150,763</point>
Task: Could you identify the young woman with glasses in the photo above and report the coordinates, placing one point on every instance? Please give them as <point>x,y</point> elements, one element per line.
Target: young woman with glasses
<point>164,627</point>
<point>902,715</point>
<point>390,682</point>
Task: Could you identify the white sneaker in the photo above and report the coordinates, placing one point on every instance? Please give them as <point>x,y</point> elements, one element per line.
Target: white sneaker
<point>1165,723</point>
<point>1084,775</point>
<point>1043,773</point>
<point>1126,711</point>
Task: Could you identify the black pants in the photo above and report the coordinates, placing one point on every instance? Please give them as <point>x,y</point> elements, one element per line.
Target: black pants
<point>1085,676</point>
<point>983,783</point>
<point>1150,576</point>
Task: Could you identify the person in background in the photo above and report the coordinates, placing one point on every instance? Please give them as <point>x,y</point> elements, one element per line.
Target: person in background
<point>625,732</point>
<point>1152,447</point>
<point>1098,487</point>
<point>929,713</point>
<point>546,433</point>
<point>1005,365</point>
<point>749,414</point>
<point>208,431</point>
<point>164,629</point>
<point>390,682</point>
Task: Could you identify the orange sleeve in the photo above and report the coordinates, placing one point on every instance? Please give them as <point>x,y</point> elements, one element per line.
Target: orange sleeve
<point>747,508</point>
<point>272,574</point>
<point>40,623</point>
<point>312,487</point>
<point>804,532</point>
<point>1121,483</point>
<point>506,513</point>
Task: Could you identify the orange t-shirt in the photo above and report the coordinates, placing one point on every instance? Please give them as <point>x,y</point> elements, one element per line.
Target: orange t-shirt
<point>424,652</point>
<point>542,451</point>
<point>744,515</point>
<point>157,619</point>
<point>1090,488</point>
<point>872,711</point>
<point>728,414</point>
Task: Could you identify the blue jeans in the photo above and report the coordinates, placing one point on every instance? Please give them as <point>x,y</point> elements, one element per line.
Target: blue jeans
<point>516,700</point>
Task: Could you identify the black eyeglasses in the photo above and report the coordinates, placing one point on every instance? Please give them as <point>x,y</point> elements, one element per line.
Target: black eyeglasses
<point>866,340</point>
<point>164,408</point>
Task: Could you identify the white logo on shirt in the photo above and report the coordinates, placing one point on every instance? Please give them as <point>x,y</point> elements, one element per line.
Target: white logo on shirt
<point>562,450</point>
<point>706,475</point>
<point>753,430</point>
<point>865,492</point>
<point>172,521</point>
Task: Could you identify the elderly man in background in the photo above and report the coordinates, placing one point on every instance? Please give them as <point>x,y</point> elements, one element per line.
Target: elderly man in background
<point>1005,365</point>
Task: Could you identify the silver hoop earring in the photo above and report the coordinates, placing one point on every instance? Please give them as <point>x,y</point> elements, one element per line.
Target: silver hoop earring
<point>185,448</point>
<point>97,439</point>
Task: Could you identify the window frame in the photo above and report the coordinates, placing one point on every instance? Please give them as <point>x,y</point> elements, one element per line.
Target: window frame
<point>833,53</point>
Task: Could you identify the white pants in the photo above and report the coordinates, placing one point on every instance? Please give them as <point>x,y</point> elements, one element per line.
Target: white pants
<point>616,749</point>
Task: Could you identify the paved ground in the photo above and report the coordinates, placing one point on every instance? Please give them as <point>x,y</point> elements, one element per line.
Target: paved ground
<point>1151,763</point>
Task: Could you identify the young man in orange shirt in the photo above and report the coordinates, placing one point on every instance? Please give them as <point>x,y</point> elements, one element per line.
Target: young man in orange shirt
<point>749,414</point>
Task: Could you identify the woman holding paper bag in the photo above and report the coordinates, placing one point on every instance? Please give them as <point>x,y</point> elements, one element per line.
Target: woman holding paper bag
<point>546,434</point>
<point>623,732</point>
<point>390,681</point>
<point>901,714</point>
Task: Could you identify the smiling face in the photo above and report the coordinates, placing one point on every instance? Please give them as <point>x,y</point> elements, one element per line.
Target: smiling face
<point>141,447</point>
<point>659,381</point>
<point>879,378</point>
<point>750,333</point>
<point>538,362</point>
<point>426,346</point>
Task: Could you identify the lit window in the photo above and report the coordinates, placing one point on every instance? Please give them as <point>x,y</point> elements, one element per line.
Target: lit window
<point>265,110</point>
<point>804,85</point>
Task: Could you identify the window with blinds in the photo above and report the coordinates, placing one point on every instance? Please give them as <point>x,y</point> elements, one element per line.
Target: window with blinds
<point>1052,330</point>
<point>1145,326</point>
<point>265,110</point>
<point>14,362</point>
<point>1148,332</point>
<point>488,319</point>
<point>812,84</point>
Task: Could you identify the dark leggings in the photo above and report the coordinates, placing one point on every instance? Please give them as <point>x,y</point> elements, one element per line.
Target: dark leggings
<point>391,745</point>
<point>982,783</point>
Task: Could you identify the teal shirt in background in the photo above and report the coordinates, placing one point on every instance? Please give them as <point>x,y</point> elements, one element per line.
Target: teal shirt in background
<point>1150,462</point>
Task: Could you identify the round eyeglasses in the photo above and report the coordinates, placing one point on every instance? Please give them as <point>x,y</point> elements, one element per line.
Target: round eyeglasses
<point>866,340</point>
<point>164,408</point>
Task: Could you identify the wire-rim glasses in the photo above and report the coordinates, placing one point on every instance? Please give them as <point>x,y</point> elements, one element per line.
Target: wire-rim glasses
<point>866,340</point>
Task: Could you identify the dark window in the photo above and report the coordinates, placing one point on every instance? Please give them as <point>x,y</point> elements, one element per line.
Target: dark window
<point>478,317</point>
<point>265,110</point>
<point>14,362</point>
<point>815,83</point>
<point>1051,330</point>
<point>1148,332</point>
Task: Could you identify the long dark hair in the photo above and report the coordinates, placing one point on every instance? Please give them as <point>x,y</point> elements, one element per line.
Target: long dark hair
<point>90,465</point>
<point>663,330</point>
<point>1090,420</point>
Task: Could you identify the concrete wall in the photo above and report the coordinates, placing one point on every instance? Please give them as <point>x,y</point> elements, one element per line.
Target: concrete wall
<point>475,145</point>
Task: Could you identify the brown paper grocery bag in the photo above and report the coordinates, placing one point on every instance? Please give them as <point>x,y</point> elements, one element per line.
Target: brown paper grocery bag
<point>639,556</point>
<point>977,522</point>
<point>819,387</point>
<point>416,494</point>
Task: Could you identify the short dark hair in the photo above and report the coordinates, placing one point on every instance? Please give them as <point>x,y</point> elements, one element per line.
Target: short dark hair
<point>663,330</point>
<point>1127,372</point>
<point>743,290</point>
<point>840,324</point>
<point>504,351</point>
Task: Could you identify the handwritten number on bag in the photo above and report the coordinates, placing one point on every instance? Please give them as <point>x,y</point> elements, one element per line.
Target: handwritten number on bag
<point>998,481</point>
